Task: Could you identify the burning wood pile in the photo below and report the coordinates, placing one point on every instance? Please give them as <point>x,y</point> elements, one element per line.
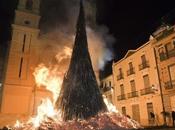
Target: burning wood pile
<point>105,121</point>
<point>100,122</point>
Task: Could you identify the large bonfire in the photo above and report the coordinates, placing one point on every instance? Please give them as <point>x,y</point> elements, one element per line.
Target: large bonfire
<point>62,112</point>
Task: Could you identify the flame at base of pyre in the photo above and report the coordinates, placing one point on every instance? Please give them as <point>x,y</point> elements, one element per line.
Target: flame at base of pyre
<point>49,118</point>
<point>103,121</point>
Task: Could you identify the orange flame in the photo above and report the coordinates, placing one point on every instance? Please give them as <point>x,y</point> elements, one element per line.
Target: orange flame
<point>51,78</point>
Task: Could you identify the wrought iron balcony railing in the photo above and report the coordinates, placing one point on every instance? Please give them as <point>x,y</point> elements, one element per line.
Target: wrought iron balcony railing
<point>120,76</point>
<point>169,54</point>
<point>144,65</point>
<point>105,89</point>
<point>121,97</point>
<point>165,33</point>
<point>130,71</point>
<point>170,84</point>
<point>146,91</point>
<point>133,94</point>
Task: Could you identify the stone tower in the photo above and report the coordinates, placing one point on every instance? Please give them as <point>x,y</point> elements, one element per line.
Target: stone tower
<point>18,84</point>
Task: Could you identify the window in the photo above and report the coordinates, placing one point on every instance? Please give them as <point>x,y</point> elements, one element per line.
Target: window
<point>133,92</point>
<point>143,58</point>
<point>133,87</point>
<point>122,89</point>
<point>150,110</point>
<point>144,63</point>
<point>29,4</point>
<point>109,83</point>
<point>131,69</point>
<point>120,71</point>
<point>124,110</point>
<point>146,81</point>
<point>122,93</point>
<point>162,54</point>
<point>130,65</point>
<point>172,73</point>
<point>120,75</point>
<point>170,49</point>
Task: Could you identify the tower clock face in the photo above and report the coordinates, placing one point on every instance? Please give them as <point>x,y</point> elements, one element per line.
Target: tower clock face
<point>27,22</point>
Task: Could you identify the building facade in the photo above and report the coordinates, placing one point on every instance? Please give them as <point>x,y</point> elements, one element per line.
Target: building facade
<point>106,87</point>
<point>144,80</point>
<point>19,94</point>
<point>136,86</point>
<point>164,44</point>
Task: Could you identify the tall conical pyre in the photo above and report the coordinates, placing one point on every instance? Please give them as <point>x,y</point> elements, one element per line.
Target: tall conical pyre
<point>80,97</point>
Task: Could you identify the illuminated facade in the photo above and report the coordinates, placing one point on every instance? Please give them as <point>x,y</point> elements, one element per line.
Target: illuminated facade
<point>20,95</point>
<point>164,44</point>
<point>144,80</point>
<point>106,87</point>
<point>136,85</point>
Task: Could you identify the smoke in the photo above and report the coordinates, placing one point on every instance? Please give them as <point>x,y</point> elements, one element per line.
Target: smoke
<point>100,53</point>
<point>58,24</point>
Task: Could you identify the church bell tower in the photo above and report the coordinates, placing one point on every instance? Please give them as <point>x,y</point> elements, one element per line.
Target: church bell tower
<point>18,82</point>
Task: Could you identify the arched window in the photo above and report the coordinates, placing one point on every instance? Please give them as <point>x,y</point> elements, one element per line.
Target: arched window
<point>29,4</point>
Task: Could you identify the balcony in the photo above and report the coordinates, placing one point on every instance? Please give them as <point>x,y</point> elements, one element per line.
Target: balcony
<point>130,71</point>
<point>106,89</point>
<point>144,65</point>
<point>133,94</point>
<point>120,76</point>
<point>165,33</point>
<point>169,85</point>
<point>146,91</point>
<point>121,97</point>
<point>171,53</point>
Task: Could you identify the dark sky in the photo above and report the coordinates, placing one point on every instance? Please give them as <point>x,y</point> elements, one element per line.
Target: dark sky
<point>132,21</point>
<point>129,21</point>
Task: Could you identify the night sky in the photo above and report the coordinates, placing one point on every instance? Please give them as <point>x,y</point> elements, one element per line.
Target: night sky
<point>130,22</point>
